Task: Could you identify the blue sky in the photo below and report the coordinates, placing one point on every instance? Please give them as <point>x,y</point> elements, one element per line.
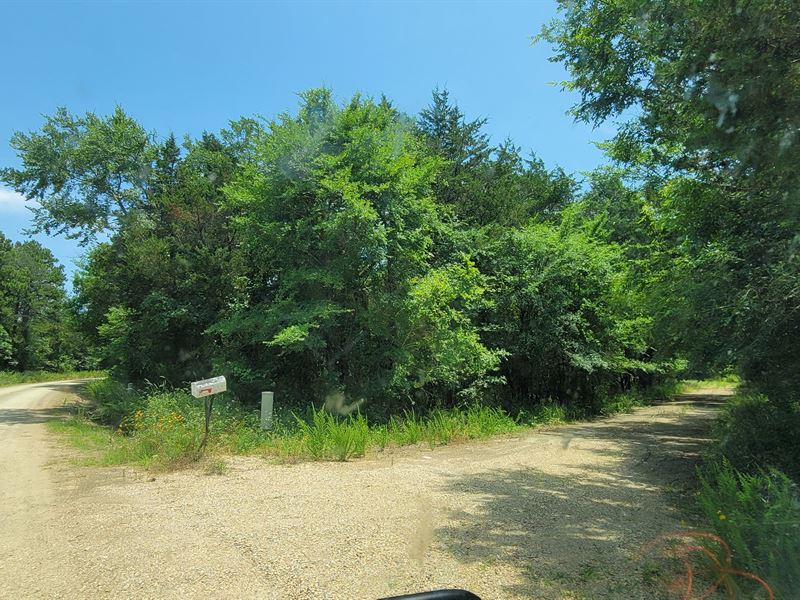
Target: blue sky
<point>189,67</point>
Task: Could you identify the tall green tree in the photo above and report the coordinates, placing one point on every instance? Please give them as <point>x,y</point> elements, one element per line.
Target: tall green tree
<point>480,184</point>
<point>344,252</point>
<point>85,173</point>
<point>148,295</point>
<point>712,92</point>
<point>337,223</point>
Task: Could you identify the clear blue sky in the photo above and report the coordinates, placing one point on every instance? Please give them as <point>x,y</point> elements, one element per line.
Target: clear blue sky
<point>187,67</point>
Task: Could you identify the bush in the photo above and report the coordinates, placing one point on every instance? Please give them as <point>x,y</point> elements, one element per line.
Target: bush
<point>754,432</point>
<point>113,404</point>
<point>758,515</point>
<point>160,427</point>
<point>168,428</point>
<point>639,396</point>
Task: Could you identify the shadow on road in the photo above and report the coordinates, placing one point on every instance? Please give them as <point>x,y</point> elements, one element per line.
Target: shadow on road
<point>18,416</point>
<point>14,415</point>
<point>581,531</point>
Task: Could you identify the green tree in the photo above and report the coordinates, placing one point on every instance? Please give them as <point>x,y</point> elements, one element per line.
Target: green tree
<point>712,93</point>
<point>483,185</point>
<point>462,178</point>
<point>33,325</point>
<point>561,309</point>
<point>337,224</point>
<point>148,295</point>
<point>85,173</point>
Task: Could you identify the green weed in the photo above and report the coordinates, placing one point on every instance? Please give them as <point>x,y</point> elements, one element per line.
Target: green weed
<point>215,466</point>
<point>758,516</point>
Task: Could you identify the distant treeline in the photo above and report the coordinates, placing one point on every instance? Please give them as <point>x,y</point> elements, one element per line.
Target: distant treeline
<point>38,325</point>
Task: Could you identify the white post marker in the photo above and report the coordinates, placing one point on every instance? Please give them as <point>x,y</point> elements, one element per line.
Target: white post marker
<point>207,387</point>
<point>266,409</point>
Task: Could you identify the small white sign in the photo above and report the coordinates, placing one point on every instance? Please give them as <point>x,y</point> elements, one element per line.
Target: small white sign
<point>207,387</point>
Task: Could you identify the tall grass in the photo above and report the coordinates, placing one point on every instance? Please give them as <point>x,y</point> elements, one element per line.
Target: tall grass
<point>749,493</point>
<point>728,382</point>
<point>324,436</point>
<point>16,378</point>
<point>446,426</point>
<point>112,403</point>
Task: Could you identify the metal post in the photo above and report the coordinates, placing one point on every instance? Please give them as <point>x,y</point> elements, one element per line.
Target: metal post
<point>209,403</point>
<point>266,410</point>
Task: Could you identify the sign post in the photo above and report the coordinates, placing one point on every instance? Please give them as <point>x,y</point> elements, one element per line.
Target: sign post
<point>266,410</point>
<point>205,389</point>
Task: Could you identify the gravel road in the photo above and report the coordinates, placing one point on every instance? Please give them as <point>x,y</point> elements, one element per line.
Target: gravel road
<point>559,513</point>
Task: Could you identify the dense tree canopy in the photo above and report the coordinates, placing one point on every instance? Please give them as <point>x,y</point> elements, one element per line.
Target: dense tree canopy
<point>85,173</point>
<point>356,251</point>
<point>713,94</point>
<point>358,257</point>
<point>337,225</point>
<point>346,251</point>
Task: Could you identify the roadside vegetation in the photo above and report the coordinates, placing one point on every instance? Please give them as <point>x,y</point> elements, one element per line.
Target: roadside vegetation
<point>748,492</point>
<point>38,323</point>
<point>712,135</point>
<point>19,377</point>
<point>728,382</point>
<point>162,429</point>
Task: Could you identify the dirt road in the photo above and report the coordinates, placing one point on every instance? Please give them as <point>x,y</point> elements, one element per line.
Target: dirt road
<point>551,514</point>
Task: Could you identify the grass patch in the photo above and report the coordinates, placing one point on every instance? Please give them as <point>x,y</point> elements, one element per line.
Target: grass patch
<point>17,378</point>
<point>81,432</point>
<point>728,383</point>
<point>630,401</point>
<point>165,429</point>
<point>754,432</point>
<point>749,495</point>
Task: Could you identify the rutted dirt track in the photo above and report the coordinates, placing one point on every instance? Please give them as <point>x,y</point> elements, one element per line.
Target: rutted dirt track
<point>562,513</point>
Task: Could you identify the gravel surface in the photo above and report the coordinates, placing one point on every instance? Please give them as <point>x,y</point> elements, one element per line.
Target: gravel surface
<point>561,513</point>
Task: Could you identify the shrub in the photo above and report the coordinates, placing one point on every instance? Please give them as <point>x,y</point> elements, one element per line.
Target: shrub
<point>113,403</point>
<point>754,432</point>
<point>163,428</point>
<point>758,515</point>
<point>167,429</point>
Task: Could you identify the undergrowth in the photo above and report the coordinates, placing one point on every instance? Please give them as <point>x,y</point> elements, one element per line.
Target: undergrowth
<point>758,515</point>
<point>749,495</point>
